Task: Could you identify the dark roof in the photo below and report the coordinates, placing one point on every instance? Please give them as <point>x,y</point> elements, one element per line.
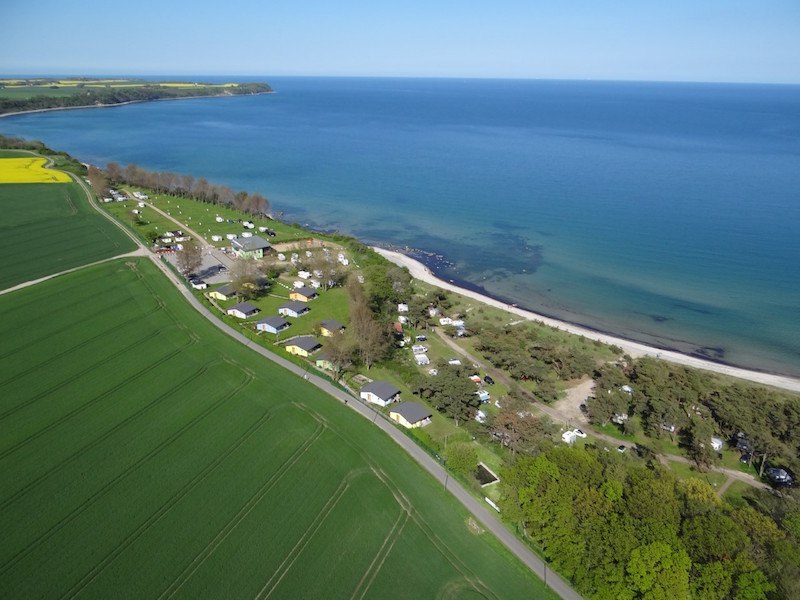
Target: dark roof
<point>306,342</point>
<point>226,290</point>
<point>778,475</point>
<point>306,291</point>
<point>275,322</point>
<point>332,325</point>
<point>412,412</point>
<point>249,244</point>
<point>295,305</point>
<point>245,307</point>
<point>381,389</point>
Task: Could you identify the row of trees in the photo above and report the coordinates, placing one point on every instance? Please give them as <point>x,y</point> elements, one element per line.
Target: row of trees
<point>84,96</point>
<point>699,404</point>
<point>624,531</point>
<point>182,185</point>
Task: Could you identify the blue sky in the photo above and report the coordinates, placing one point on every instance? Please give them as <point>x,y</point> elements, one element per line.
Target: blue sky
<point>683,40</point>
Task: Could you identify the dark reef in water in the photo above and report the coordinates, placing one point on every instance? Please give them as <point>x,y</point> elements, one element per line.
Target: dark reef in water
<point>710,353</point>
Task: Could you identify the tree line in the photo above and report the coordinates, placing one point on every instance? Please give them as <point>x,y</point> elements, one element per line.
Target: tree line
<point>187,186</point>
<point>92,96</point>
<point>621,530</point>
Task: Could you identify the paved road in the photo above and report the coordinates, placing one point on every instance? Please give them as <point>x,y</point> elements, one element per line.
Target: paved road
<point>479,510</point>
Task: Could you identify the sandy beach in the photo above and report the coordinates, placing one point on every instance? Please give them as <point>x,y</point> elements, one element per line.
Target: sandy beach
<point>635,349</point>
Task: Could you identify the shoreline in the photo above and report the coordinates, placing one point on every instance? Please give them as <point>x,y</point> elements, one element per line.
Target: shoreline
<point>635,349</point>
<point>41,110</point>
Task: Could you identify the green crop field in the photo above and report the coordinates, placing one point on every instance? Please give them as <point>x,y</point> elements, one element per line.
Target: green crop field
<point>48,228</point>
<point>145,454</point>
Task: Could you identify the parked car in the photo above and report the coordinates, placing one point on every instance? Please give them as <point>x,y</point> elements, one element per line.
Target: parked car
<point>580,433</point>
<point>422,338</point>
<point>621,449</point>
<point>779,477</point>
<point>488,379</point>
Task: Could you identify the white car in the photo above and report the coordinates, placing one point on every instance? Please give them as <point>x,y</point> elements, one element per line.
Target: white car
<point>579,433</point>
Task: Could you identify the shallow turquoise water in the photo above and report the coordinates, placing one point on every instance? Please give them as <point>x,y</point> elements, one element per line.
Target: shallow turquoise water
<point>667,213</point>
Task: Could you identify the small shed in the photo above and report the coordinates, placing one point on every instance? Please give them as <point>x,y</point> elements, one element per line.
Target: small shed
<point>225,292</point>
<point>303,294</point>
<point>272,324</point>
<point>293,309</point>
<point>243,310</point>
<point>381,393</point>
<point>305,345</point>
<point>324,361</point>
<point>329,327</point>
<point>410,415</point>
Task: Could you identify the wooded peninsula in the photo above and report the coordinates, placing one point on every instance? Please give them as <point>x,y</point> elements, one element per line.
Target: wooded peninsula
<point>20,95</point>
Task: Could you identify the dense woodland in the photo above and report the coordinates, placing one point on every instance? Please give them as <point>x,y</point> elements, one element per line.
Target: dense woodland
<point>621,530</point>
<point>527,358</point>
<point>104,96</point>
<point>699,404</point>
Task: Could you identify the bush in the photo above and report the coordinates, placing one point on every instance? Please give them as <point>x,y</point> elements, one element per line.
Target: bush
<point>462,458</point>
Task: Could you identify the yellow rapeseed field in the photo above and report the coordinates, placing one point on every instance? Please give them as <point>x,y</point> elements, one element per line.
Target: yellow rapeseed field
<point>29,170</point>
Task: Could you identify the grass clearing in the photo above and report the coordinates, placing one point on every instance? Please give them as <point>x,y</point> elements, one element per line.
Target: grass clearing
<point>29,169</point>
<point>49,228</point>
<point>141,448</point>
<point>684,471</point>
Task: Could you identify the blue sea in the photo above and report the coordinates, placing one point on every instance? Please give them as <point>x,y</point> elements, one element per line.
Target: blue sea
<point>667,213</point>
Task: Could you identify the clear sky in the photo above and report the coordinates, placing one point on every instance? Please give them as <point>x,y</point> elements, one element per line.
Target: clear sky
<point>684,40</point>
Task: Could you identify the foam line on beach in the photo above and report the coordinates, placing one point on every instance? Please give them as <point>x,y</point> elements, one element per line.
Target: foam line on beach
<point>634,349</point>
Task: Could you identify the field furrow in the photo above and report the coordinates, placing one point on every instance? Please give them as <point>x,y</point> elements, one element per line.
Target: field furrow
<point>83,406</point>
<point>240,515</point>
<point>144,454</point>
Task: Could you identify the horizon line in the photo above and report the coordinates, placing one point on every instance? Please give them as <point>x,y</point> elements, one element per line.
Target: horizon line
<point>198,76</point>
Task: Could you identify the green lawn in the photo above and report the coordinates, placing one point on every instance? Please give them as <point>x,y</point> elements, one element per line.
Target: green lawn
<point>149,220</point>
<point>201,217</point>
<point>684,471</point>
<point>737,492</point>
<point>48,228</point>
<point>145,454</point>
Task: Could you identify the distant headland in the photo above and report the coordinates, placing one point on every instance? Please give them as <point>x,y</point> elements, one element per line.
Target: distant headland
<point>39,94</point>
